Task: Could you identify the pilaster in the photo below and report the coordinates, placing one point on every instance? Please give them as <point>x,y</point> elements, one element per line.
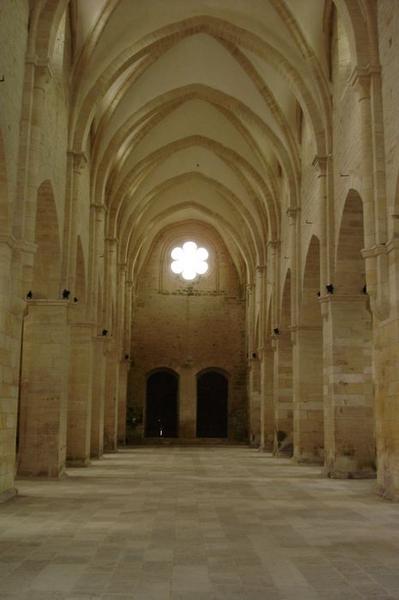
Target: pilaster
<point>348,389</point>
<point>98,395</point>
<point>44,389</point>
<point>80,394</point>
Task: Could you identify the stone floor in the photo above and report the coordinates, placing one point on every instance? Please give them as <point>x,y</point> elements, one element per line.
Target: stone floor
<point>198,524</point>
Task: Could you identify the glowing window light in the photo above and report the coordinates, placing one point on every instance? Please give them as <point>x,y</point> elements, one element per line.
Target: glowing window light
<point>189,260</point>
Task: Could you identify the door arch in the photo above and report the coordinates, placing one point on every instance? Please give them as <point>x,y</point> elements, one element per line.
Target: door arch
<point>212,404</point>
<point>161,415</point>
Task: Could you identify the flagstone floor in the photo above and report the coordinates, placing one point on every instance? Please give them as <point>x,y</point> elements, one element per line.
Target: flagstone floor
<point>198,523</point>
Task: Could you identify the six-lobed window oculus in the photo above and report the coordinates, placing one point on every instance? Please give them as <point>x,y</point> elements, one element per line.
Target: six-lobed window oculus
<point>189,260</point>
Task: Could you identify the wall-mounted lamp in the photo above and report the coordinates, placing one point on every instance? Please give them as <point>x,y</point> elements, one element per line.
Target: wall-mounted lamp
<point>364,290</point>
<point>276,331</point>
<point>29,295</point>
<point>65,294</point>
<point>318,294</point>
<point>330,288</point>
<point>104,332</point>
<point>76,299</point>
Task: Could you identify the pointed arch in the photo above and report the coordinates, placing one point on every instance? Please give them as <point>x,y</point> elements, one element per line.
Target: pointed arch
<point>47,261</point>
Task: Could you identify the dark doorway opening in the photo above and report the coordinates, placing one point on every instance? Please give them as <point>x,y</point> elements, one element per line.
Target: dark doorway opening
<point>161,405</point>
<point>212,394</point>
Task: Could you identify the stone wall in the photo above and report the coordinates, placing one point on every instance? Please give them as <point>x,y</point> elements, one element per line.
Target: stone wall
<point>189,328</point>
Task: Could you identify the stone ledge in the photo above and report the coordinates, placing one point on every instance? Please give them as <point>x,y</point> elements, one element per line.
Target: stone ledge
<point>338,474</point>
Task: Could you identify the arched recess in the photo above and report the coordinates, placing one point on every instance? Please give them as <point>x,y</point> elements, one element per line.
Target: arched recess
<point>4,206</point>
<point>212,403</point>
<point>161,407</point>
<point>308,412</point>
<point>351,449</point>
<point>47,262</point>
<point>283,378</point>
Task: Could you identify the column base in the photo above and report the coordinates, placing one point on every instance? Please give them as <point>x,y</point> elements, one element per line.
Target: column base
<point>78,462</point>
<point>350,474</point>
<point>266,449</point>
<point>282,453</point>
<point>345,467</point>
<point>96,455</point>
<point>308,460</point>
<point>8,494</point>
<point>40,476</point>
<point>388,493</point>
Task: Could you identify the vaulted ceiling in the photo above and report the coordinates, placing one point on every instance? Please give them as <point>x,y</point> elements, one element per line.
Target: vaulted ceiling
<point>189,110</point>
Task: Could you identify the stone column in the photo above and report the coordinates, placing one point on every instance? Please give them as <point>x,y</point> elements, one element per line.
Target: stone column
<point>282,396</point>
<point>76,162</point>
<point>96,253</point>
<point>111,398</point>
<point>44,389</point>
<point>255,400</point>
<point>126,363</point>
<point>386,357</point>
<point>10,340</point>
<point>308,394</point>
<point>124,366</point>
<point>98,393</point>
<point>348,389</point>
<point>80,395</point>
<point>368,87</point>
<point>267,406</point>
<point>187,402</point>
<point>39,74</point>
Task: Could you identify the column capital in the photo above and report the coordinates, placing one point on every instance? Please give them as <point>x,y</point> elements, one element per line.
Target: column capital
<point>360,79</point>
<point>111,241</point>
<point>79,161</point>
<point>292,212</point>
<point>274,244</point>
<point>374,251</point>
<point>43,71</point>
<point>98,207</point>
<point>320,164</point>
<point>17,244</point>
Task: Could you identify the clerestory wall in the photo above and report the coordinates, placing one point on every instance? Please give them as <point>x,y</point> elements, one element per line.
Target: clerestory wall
<point>189,328</point>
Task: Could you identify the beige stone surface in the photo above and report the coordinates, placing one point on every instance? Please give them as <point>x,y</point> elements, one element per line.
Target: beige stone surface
<point>182,523</point>
<point>269,131</point>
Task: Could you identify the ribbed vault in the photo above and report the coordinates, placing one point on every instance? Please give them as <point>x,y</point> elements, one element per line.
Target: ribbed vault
<point>192,113</point>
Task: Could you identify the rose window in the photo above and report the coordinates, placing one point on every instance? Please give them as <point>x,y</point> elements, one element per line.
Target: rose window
<point>189,260</point>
